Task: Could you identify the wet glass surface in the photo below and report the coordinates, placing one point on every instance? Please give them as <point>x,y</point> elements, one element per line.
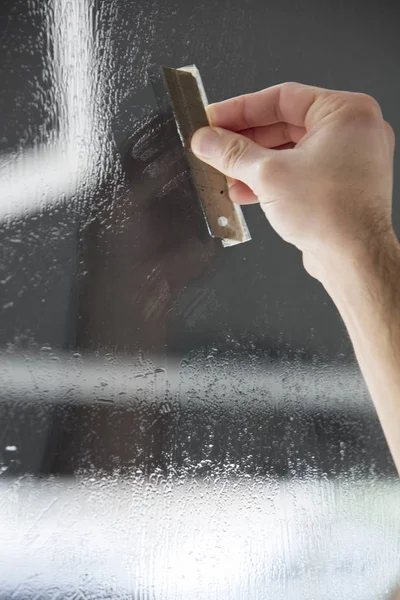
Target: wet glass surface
<point>177,420</point>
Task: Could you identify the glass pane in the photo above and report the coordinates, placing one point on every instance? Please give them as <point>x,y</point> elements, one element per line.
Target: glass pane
<point>177,420</point>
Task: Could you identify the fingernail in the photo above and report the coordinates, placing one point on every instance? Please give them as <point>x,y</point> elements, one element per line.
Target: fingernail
<point>209,111</point>
<point>205,142</point>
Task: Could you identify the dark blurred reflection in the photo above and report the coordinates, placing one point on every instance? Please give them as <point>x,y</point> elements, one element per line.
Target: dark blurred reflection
<point>138,252</point>
<point>141,251</point>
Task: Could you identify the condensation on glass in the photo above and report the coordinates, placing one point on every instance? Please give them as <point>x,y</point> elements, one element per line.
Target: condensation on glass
<point>177,421</point>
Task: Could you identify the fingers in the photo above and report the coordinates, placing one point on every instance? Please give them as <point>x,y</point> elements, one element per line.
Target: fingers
<point>234,155</point>
<point>272,136</point>
<point>293,103</point>
<point>390,135</point>
<point>288,102</point>
<point>240,193</point>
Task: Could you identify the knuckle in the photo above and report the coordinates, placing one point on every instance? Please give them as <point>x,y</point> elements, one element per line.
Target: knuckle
<point>293,86</point>
<point>287,85</point>
<point>363,106</point>
<point>234,153</point>
<point>370,104</point>
<point>390,133</point>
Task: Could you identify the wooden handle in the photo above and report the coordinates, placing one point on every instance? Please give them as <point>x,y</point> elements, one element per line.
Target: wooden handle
<point>224,218</point>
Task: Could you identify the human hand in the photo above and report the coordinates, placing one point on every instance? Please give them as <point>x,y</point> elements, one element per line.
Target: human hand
<point>328,190</point>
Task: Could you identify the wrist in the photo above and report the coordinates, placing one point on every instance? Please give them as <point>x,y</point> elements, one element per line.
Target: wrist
<point>361,269</point>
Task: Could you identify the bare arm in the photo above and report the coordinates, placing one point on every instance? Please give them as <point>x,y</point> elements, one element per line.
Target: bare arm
<point>367,295</point>
<point>328,191</point>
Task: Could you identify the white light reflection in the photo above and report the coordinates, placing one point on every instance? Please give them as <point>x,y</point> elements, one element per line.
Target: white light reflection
<point>190,539</point>
<point>44,174</point>
<point>53,376</point>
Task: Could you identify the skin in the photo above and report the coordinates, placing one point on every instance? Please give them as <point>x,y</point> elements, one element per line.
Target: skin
<point>320,163</point>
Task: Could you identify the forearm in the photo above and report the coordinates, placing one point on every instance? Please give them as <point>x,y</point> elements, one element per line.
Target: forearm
<point>366,291</point>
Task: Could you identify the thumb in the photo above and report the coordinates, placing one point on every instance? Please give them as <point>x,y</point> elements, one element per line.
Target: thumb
<point>231,153</point>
